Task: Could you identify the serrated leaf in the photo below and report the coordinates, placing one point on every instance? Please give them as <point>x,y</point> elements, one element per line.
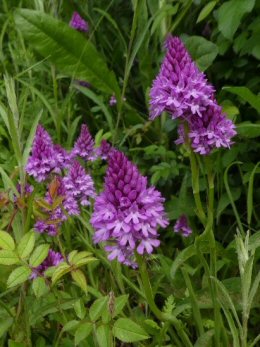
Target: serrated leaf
<point>39,287</point>
<point>128,331</point>
<point>103,336</point>
<point>26,245</point>
<point>80,279</point>
<point>18,276</point>
<point>85,261</point>
<point>66,48</point>
<point>82,332</point>
<point>71,325</point>
<point>80,309</point>
<point>8,257</point>
<point>76,256</point>
<point>61,270</point>
<point>6,241</point>
<point>97,308</point>
<point>120,303</point>
<point>39,255</point>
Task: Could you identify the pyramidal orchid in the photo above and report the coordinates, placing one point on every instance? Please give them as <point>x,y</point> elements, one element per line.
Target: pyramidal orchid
<point>84,146</point>
<point>45,157</point>
<point>127,213</point>
<point>184,92</point>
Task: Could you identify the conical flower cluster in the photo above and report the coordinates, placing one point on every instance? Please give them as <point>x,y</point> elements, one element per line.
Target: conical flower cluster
<point>84,146</point>
<point>127,213</point>
<point>183,91</point>
<point>46,157</point>
<point>70,184</point>
<point>78,23</point>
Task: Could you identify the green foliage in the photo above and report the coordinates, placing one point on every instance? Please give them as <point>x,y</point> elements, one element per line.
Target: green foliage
<point>199,291</point>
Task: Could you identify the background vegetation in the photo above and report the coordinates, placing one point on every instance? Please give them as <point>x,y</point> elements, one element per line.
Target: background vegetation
<point>42,61</point>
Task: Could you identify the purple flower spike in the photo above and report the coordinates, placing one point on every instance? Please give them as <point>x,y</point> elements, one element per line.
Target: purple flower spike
<point>182,227</point>
<point>44,158</point>
<point>79,187</point>
<point>180,88</point>
<point>84,146</point>
<point>214,130</point>
<point>78,23</point>
<point>127,213</point>
<point>53,259</point>
<point>183,91</point>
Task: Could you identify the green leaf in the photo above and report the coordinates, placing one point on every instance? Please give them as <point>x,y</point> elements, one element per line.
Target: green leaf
<point>8,257</point>
<point>120,303</point>
<point>103,336</point>
<point>30,138</point>
<point>181,258</point>
<point>250,194</point>
<point>80,309</point>
<point>15,344</point>
<point>98,307</point>
<point>230,15</point>
<point>18,276</point>
<point>39,254</point>
<point>8,183</point>
<point>202,51</point>
<point>82,332</point>
<point>128,331</point>
<point>39,287</point>
<point>205,340</point>
<point>71,325</point>
<point>26,245</point>
<point>60,271</point>
<point>98,101</point>
<point>246,94</point>
<point>80,279</point>
<point>225,300</point>
<point>207,9</point>
<point>6,241</point>
<point>66,48</point>
<point>248,129</point>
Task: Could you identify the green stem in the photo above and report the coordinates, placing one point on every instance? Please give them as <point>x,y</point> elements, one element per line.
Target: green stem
<point>213,253</point>
<point>157,312</point>
<point>196,187</point>
<point>194,302</point>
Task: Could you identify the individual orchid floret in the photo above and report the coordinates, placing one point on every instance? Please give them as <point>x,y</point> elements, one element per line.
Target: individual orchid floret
<point>213,130</point>
<point>45,157</point>
<point>78,23</point>
<point>53,259</point>
<point>181,226</point>
<point>180,88</point>
<point>127,213</point>
<point>79,187</point>
<point>112,101</point>
<point>84,146</point>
